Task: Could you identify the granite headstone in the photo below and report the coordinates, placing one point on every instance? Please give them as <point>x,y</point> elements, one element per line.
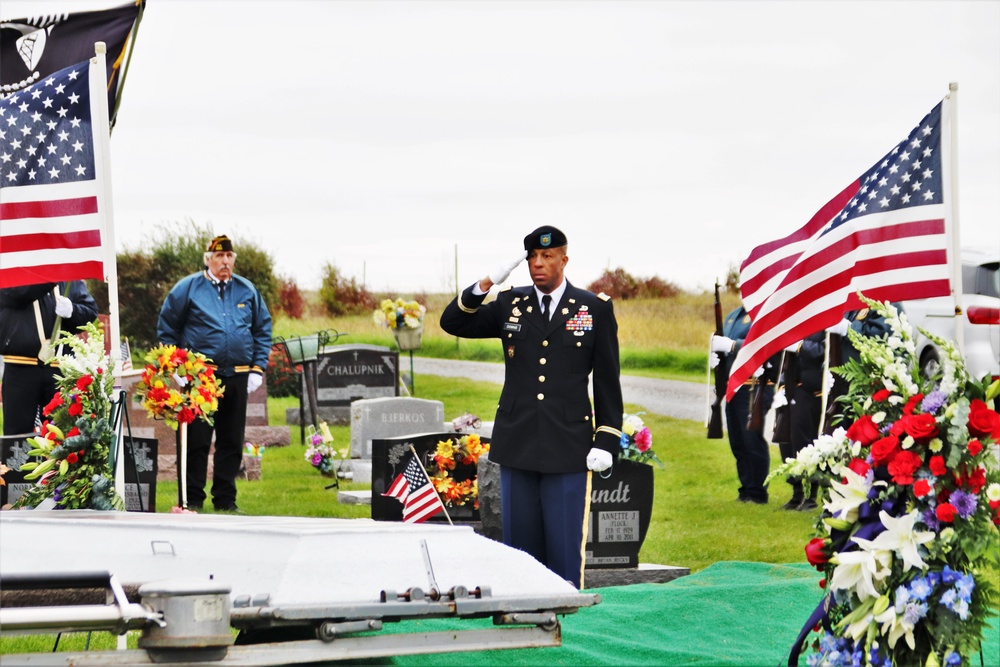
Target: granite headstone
<point>347,373</point>
<point>377,418</point>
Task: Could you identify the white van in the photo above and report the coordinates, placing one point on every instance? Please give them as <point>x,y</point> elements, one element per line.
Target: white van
<point>980,316</point>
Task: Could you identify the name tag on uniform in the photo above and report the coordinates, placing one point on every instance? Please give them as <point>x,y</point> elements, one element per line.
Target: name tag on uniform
<point>511,326</point>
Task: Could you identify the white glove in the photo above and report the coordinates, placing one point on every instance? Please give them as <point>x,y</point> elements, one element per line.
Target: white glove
<point>840,328</point>
<point>760,371</point>
<point>780,400</point>
<point>498,275</point>
<point>64,307</point>
<point>599,460</point>
<point>722,344</point>
<point>254,380</point>
<point>713,360</point>
<point>829,381</point>
<point>180,380</point>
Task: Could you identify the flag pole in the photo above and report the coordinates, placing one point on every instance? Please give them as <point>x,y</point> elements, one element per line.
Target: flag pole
<point>102,165</point>
<point>956,242</point>
<point>424,473</point>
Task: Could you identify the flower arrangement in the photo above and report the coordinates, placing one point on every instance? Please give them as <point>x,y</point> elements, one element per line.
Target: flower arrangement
<point>399,314</point>
<point>453,469</point>
<point>637,441</point>
<point>908,534</point>
<point>320,453</point>
<point>76,436</point>
<point>178,386</point>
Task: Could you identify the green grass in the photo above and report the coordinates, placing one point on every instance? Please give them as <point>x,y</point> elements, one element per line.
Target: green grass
<point>696,518</point>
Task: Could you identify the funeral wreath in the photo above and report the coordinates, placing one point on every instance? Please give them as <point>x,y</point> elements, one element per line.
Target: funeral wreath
<point>907,541</point>
<point>76,435</point>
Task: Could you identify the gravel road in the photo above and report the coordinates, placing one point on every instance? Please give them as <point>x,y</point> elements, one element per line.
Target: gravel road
<point>681,400</point>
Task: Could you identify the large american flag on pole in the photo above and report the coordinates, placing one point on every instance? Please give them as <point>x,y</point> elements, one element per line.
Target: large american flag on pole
<point>51,204</point>
<point>886,235</point>
<point>413,488</point>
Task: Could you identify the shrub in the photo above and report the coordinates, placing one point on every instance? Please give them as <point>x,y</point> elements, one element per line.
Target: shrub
<point>282,376</point>
<point>290,298</point>
<point>340,296</point>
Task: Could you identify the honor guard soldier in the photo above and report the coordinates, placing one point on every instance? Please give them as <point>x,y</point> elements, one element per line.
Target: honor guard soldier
<point>546,437</point>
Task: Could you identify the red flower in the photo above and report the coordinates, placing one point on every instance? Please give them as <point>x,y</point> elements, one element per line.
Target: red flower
<point>864,431</point>
<point>911,404</point>
<point>983,422</point>
<point>859,466</point>
<point>84,382</point>
<point>75,409</point>
<point>185,416</point>
<point>53,405</point>
<point>937,465</point>
<point>920,427</point>
<point>974,481</point>
<point>72,458</point>
<point>903,465</point>
<point>975,447</point>
<point>881,395</point>
<point>73,431</point>
<point>884,449</point>
<point>922,487</point>
<point>816,553</point>
<point>945,512</point>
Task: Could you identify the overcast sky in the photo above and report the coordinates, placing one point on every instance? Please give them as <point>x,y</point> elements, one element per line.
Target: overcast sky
<point>667,138</point>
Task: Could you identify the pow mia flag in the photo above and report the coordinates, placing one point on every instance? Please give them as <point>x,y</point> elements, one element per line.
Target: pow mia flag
<point>33,48</point>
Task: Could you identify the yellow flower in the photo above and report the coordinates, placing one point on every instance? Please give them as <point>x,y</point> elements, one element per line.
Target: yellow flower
<point>446,449</point>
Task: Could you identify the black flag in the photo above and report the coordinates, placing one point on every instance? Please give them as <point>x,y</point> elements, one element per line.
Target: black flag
<point>35,47</point>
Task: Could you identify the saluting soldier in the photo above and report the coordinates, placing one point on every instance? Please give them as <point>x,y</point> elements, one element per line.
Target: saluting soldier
<point>547,438</point>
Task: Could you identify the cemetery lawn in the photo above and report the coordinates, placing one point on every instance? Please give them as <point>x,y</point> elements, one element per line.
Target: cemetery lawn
<point>696,521</point>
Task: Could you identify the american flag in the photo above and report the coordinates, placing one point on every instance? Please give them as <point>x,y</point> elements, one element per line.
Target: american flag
<point>49,192</point>
<point>885,235</point>
<point>413,488</point>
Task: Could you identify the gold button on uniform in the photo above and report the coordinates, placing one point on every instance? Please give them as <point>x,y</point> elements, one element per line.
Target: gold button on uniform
<point>541,396</point>
<point>579,344</point>
<point>542,361</point>
<point>541,378</point>
<point>545,343</point>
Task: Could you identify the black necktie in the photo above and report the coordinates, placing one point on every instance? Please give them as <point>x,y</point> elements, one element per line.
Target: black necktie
<point>546,304</point>
<point>222,287</point>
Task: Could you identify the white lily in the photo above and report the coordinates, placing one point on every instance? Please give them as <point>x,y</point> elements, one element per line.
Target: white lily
<point>847,497</point>
<point>895,626</point>
<point>855,571</point>
<point>900,538</point>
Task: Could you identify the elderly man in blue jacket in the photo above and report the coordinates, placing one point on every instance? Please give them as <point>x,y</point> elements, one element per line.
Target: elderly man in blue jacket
<point>223,316</point>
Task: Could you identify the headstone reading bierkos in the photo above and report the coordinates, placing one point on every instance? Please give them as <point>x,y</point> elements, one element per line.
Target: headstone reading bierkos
<point>347,373</point>
<point>377,418</point>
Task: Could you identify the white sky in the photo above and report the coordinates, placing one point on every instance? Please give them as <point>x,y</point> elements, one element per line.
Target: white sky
<point>667,138</point>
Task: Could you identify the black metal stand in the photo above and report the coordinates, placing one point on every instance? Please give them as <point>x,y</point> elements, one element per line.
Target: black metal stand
<point>305,350</point>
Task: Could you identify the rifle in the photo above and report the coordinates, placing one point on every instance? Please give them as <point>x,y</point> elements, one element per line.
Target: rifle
<point>782,432</point>
<point>715,418</point>
<point>834,358</point>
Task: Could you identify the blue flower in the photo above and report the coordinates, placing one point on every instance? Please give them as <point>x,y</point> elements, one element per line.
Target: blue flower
<point>933,401</point>
<point>953,659</point>
<point>964,502</point>
<point>914,612</point>
<point>965,585</point>
<point>921,588</point>
<point>948,575</point>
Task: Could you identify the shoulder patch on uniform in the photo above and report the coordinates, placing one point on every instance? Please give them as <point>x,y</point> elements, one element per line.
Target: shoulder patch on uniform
<point>603,297</point>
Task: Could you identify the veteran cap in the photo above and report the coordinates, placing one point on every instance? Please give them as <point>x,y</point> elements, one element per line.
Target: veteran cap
<point>220,244</point>
<point>544,237</point>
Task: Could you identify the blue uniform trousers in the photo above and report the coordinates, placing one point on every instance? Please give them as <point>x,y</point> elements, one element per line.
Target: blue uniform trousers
<point>544,514</point>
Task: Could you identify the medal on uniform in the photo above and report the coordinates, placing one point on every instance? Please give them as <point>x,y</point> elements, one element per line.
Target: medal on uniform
<point>510,351</point>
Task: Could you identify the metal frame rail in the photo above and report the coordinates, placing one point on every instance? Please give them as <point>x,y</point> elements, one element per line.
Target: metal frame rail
<point>275,634</point>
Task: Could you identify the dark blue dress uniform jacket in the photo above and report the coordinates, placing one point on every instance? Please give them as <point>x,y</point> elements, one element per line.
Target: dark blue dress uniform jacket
<point>545,421</point>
